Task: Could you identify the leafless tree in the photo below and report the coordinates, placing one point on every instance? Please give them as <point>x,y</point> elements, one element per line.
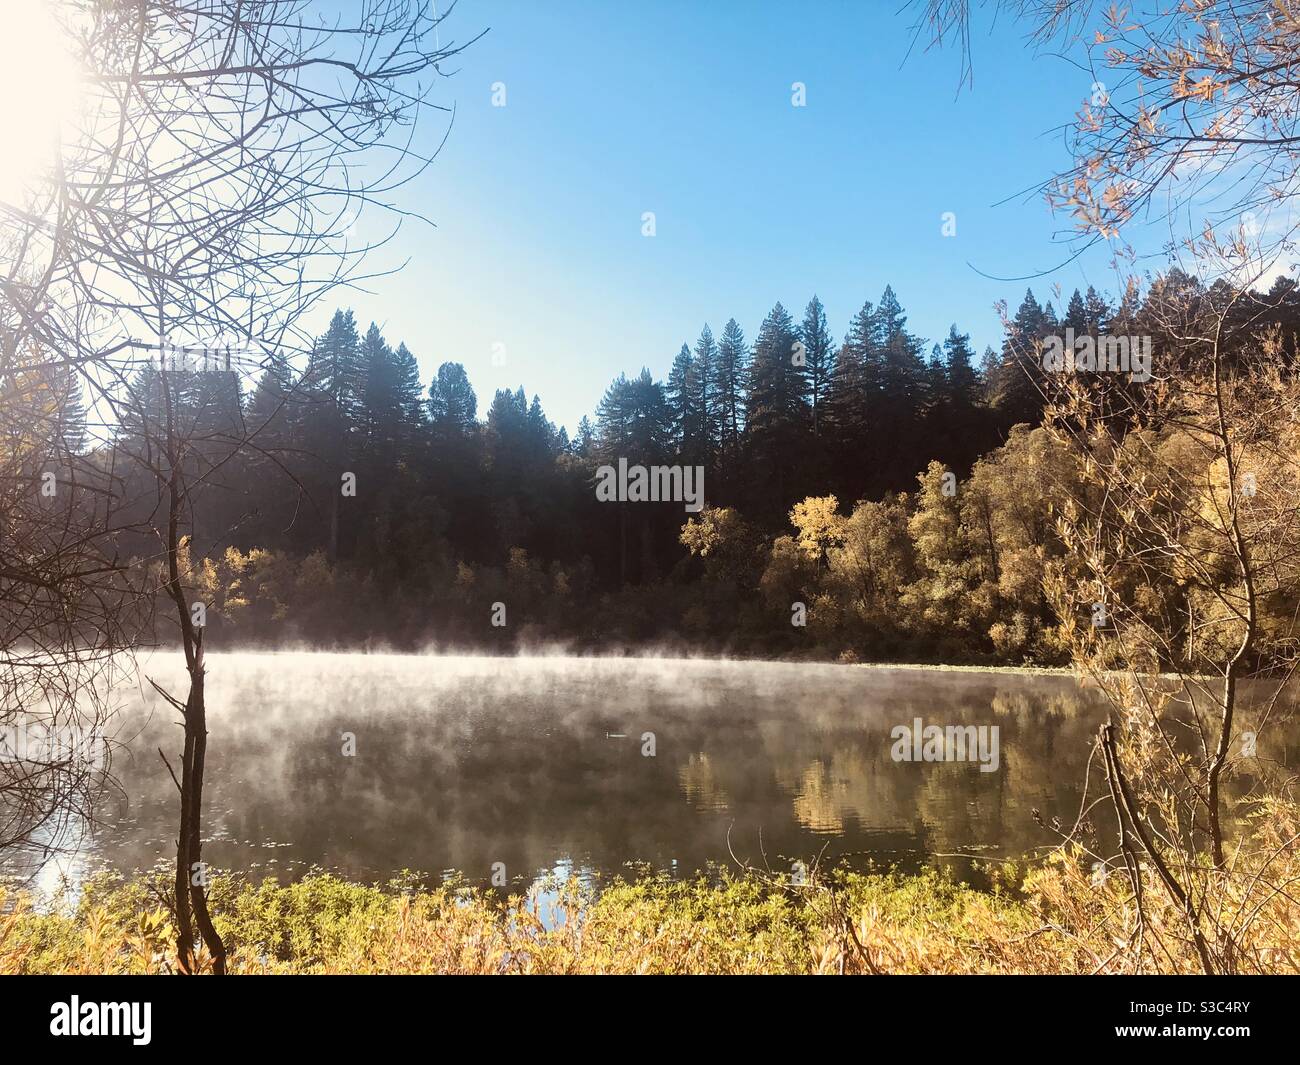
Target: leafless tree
<point>62,625</point>
<point>1189,113</point>
<point>1178,595</point>
<point>207,199</point>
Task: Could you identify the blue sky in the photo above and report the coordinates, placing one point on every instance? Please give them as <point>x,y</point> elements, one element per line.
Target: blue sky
<point>684,109</point>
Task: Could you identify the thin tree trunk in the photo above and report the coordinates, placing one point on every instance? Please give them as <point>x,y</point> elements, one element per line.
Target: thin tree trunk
<point>198,725</point>
<point>1166,876</point>
<point>1233,667</point>
<point>190,898</point>
<point>184,926</point>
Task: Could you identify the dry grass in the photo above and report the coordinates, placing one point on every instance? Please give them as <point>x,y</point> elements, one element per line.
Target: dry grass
<point>1059,918</point>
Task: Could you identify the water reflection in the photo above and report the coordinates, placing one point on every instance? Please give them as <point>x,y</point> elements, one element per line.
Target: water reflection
<point>537,763</point>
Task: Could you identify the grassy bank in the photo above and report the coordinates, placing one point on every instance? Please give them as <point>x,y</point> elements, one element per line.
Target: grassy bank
<point>1054,920</point>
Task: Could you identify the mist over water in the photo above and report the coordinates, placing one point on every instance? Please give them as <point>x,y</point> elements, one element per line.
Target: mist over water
<point>537,763</point>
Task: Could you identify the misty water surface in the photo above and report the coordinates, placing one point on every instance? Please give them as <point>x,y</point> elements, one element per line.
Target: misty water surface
<point>538,763</point>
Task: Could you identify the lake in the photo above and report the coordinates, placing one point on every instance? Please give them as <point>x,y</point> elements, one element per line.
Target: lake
<point>366,765</point>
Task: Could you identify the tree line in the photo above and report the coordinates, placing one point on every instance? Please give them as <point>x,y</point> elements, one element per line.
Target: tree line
<point>363,484</point>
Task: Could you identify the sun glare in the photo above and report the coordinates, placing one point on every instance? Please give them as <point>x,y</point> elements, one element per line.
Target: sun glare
<point>40,82</point>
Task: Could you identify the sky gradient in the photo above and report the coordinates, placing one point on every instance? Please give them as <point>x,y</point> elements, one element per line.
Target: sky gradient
<point>684,109</point>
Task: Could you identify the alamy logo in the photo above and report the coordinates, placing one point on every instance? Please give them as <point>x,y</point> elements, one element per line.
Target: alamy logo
<point>953,743</point>
<point>654,484</point>
<point>35,742</point>
<point>1106,354</point>
<point>102,1018</point>
<point>199,358</point>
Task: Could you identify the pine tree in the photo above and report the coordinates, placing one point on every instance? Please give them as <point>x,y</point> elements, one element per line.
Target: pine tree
<point>989,363</point>
<point>274,419</point>
<point>585,441</point>
<point>335,368</point>
<point>936,379</point>
<point>393,414</point>
<point>898,421</point>
<point>453,407</point>
<point>273,416</point>
<point>704,434</point>
<point>679,394</point>
<point>334,420</point>
<point>379,400</point>
<point>635,422</point>
<point>455,498</point>
<point>270,399</point>
<point>406,375</point>
<point>70,412</point>
<point>1097,312</point>
<point>648,437</point>
<point>613,415</point>
<point>820,355</point>
<point>1125,318</point>
<point>902,370</point>
<point>1076,316</point>
<point>855,383</point>
<point>778,416</point>
<point>733,369</point>
<point>962,382</point>
<point>1019,382</point>
<point>542,434</point>
<point>962,422</point>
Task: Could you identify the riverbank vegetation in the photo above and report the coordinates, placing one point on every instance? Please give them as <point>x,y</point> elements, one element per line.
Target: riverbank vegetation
<point>1058,916</point>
